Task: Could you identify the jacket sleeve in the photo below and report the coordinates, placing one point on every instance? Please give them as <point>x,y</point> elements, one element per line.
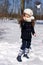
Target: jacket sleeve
<point>33,24</point>
<point>33,31</point>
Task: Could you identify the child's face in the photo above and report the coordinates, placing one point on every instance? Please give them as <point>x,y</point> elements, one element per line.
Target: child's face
<point>27,15</point>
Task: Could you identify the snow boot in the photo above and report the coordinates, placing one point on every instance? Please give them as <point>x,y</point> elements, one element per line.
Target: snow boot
<point>26,53</point>
<point>20,55</point>
<point>19,59</point>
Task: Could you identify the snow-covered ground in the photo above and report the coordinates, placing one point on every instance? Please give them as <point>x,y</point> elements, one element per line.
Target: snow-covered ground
<point>10,43</point>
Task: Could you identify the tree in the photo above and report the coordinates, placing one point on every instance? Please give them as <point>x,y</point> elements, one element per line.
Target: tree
<point>6,6</point>
<point>22,5</point>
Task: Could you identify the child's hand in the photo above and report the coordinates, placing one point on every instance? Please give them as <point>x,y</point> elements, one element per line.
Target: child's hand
<point>35,35</point>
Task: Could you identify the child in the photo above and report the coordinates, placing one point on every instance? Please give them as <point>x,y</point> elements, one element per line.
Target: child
<point>27,29</point>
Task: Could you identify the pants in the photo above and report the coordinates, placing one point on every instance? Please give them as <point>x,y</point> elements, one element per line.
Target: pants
<point>25,47</point>
<point>25,44</point>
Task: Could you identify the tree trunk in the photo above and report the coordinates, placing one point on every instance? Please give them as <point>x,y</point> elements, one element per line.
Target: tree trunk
<point>22,6</point>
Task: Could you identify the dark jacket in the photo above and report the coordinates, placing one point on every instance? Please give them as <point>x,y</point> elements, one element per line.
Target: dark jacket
<point>26,30</point>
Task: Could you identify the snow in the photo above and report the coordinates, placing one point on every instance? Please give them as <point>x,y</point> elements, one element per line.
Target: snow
<point>10,43</point>
<point>39,21</point>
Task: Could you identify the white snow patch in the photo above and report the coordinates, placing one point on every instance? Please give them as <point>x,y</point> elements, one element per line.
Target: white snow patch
<point>9,49</point>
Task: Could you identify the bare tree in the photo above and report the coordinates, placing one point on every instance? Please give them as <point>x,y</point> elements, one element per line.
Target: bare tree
<point>4,5</point>
<point>22,5</point>
<point>12,8</point>
<point>1,5</point>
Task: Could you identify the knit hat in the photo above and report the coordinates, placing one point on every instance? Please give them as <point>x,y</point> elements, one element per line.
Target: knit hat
<point>28,11</point>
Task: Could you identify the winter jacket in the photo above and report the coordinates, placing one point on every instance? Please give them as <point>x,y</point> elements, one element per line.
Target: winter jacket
<point>27,30</point>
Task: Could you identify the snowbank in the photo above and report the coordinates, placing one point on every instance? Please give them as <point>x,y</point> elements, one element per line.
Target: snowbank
<point>39,21</point>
